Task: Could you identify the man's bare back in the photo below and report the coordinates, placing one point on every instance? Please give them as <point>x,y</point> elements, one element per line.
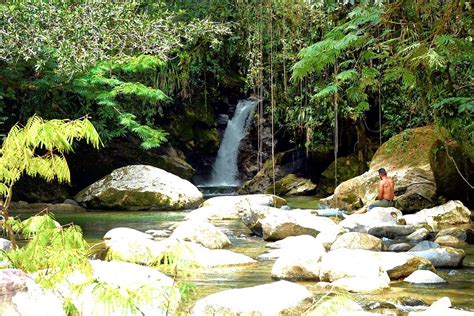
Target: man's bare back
<point>386,189</point>
<point>385,194</point>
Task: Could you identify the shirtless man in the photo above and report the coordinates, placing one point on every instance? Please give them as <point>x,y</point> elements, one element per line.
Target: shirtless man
<point>385,195</point>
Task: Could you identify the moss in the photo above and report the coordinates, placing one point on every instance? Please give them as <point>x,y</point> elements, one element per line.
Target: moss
<point>410,148</point>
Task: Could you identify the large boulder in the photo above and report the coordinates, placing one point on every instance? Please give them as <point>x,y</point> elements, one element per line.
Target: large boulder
<point>377,217</point>
<point>253,216</point>
<point>463,233</point>
<point>202,232</point>
<point>298,263</point>
<point>353,240</point>
<point>196,255</point>
<point>451,213</point>
<point>449,162</point>
<point>406,157</point>
<point>230,207</point>
<point>278,298</point>
<point>289,245</point>
<point>140,187</point>
<point>283,224</point>
<point>127,244</point>
<point>442,257</point>
<point>21,296</point>
<point>392,231</point>
<point>293,185</point>
<point>155,293</point>
<point>348,263</point>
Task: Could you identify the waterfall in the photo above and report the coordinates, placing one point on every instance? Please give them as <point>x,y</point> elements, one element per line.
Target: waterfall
<point>225,170</point>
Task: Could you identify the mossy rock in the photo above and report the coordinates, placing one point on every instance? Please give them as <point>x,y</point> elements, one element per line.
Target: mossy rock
<point>446,158</point>
<point>406,157</point>
<point>293,185</point>
<point>411,148</point>
<point>206,139</point>
<point>140,187</point>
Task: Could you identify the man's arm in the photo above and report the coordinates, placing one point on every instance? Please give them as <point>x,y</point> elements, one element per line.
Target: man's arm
<point>380,194</point>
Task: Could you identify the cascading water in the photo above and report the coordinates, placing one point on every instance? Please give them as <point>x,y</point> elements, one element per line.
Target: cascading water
<point>225,170</point>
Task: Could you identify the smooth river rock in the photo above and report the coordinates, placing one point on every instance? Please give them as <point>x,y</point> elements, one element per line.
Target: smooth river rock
<point>278,298</point>
<point>140,187</point>
<point>299,262</point>
<point>127,244</point>
<point>463,233</point>
<point>289,245</point>
<point>392,231</point>
<point>5,244</point>
<point>348,263</point>
<point>283,224</point>
<point>230,207</point>
<point>407,163</point>
<point>377,217</point>
<point>424,277</point>
<point>451,241</point>
<point>418,235</point>
<point>164,296</point>
<point>442,307</point>
<point>442,257</point>
<point>451,213</point>
<point>201,232</point>
<point>354,240</point>
<point>20,295</point>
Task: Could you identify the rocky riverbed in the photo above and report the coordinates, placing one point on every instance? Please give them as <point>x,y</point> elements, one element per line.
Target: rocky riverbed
<point>355,261</point>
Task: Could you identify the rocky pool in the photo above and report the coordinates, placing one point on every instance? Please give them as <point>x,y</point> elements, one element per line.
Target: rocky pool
<point>459,286</point>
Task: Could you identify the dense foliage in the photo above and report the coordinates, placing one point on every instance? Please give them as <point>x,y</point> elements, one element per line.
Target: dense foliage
<point>385,65</point>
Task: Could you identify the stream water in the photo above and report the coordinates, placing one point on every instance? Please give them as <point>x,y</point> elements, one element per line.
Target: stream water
<point>459,286</point>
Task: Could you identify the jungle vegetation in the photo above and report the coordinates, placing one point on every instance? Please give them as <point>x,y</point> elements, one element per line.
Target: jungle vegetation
<point>381,66</point>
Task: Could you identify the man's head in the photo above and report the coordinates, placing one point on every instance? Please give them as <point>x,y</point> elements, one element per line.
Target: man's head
<point>382,172</point>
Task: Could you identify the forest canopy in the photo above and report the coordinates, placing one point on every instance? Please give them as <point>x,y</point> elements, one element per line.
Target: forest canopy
<point>379,66</point>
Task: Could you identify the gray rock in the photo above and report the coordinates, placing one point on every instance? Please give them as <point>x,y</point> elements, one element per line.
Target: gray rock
<point>418,235</point>
<point>283,224</point>
<point>164,296</point>
<point>451,241</point>
<point>21,296</point>
<point>442,307</point>
<point>443,256</point>
<point>300,262</point>
<point>354,240</point>
<point>335,307</point>
<point>451,213</point>
<point>425,245</point>
<point>201,232</point>
<point>278,298</point>
<point>392,231</point>
<point>424,277</point>
<point>140,187</point>
<point>5,244</point>
<point>462,233</point>
<point>379,216</point>
<point>401,247</point>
